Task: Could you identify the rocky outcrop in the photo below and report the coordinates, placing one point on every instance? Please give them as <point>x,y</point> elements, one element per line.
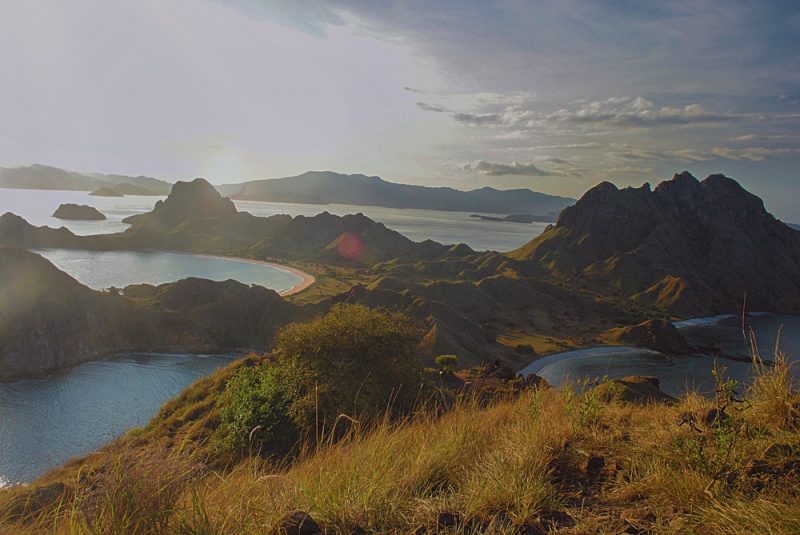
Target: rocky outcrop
<point>688,247</point>
<point>660,335</point>
<point>188,200</point>
<point>78,212</point>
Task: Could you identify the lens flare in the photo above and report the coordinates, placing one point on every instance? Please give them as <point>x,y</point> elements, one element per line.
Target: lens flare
<point>350,246</point>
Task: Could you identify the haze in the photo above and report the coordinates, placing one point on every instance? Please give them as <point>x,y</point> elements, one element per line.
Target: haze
<point>554,96</point>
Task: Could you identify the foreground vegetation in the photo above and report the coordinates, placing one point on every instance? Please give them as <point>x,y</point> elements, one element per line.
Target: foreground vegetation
<point>326,432</point>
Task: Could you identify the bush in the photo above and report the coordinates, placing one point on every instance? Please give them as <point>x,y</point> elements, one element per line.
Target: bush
<point>256,410</point>
<point>353,361</point>
<point>447,362</point>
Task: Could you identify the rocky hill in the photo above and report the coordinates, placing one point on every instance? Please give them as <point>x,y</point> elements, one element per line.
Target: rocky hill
<point>326,187</point>
<point>187,200</point>
<point>49,321</point>
<point>687,247</point>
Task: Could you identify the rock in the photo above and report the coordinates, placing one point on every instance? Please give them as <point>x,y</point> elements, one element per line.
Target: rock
<point>78,212</point>
<point>635,389</point>
<point>659,334</point>
<point>297,523</point>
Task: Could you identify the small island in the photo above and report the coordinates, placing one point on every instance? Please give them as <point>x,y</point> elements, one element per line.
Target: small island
<point>106,191</point>
<point>517,218</point>
<point>80,212</point>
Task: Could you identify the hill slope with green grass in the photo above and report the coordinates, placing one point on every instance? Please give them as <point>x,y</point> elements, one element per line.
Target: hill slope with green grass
<point>566,461</point>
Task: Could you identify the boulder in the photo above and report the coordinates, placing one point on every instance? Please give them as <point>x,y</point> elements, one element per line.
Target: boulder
<point>297,523</point>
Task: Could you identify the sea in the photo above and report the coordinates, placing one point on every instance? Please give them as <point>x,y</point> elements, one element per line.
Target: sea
<point>44,422</point>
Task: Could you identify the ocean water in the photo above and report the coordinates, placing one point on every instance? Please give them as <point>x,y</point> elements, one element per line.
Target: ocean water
<point>104,269</point>
<point>678,374</point>
<point>45,422</point>
<point>37,207</point>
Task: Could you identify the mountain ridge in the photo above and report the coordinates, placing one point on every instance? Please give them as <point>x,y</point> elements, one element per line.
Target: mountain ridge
<point>696,247</point>
<point>39,176</point>
<point>327,187</point>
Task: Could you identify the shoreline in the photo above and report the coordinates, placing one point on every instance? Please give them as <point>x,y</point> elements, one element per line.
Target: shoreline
<point>306,278</point>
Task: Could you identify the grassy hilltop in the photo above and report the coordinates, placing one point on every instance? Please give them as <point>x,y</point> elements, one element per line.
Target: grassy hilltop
<point>316,430</point>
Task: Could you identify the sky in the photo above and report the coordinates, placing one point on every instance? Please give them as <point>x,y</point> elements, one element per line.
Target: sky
<point>553,95</point>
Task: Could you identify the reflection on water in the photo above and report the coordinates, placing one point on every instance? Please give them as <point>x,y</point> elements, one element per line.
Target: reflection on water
<point>45,422</point>
<point>104,269</point>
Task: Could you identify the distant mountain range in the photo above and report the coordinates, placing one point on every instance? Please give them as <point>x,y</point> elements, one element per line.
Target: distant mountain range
<point>39,176</point>
<point>326,187</point>
<point>313,187</point>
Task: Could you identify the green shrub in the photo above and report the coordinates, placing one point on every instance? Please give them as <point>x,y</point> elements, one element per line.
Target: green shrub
<point>352,361</point>
<point>447,362</point>
<point>257,409</point>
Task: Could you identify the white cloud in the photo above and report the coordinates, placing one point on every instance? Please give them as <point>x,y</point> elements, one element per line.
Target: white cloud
<point>502,169</point>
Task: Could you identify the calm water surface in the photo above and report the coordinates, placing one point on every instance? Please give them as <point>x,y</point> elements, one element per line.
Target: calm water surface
<point>444,227</point>
<point>679,373</point>
<point>45,422</point>
<point>104,269</point>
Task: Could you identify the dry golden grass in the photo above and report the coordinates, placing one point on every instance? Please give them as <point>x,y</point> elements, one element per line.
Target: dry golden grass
<point>543,461</point>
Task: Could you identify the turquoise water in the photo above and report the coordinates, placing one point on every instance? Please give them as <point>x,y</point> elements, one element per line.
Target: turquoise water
<point>677,374</point>
<point>45,422</point>
<point>444,227</point>
<point>104,269</point>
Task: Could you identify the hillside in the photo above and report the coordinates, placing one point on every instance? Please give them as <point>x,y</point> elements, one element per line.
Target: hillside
<point>687,247</point>
<point>541,461</point>
<point>49,321</point>
<point>38,176</point>
<point>326,187</point>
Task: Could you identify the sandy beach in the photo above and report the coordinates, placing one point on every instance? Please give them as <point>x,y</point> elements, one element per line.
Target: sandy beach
<point>307,281</point>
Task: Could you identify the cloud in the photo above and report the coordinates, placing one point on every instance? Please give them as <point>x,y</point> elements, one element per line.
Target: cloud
<point>754,154</point>
<point>430,107</point>
<point>502,169</point>
<point>639,112</point>
<point>633,154</point>
<point>478,119</point>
